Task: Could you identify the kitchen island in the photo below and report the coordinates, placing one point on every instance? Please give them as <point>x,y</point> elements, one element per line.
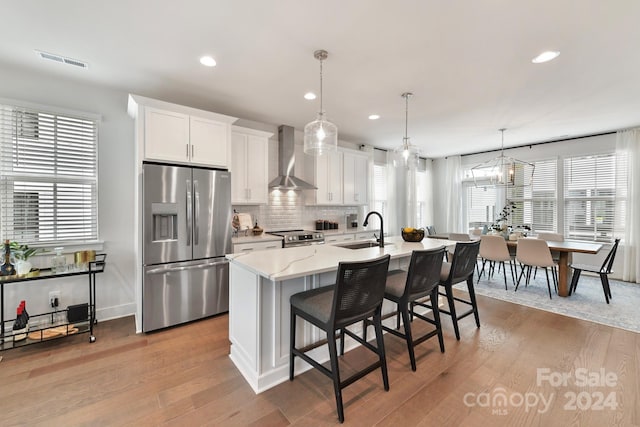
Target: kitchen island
<point>260,285</point>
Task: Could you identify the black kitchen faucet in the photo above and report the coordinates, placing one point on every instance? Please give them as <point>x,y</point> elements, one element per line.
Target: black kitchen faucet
<point>366,221</point>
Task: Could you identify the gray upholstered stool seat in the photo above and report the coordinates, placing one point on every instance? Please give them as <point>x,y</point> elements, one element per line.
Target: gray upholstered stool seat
<point>316,302</point>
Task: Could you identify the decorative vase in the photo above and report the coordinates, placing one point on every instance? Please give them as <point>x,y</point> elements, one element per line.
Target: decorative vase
<point>23,266</point>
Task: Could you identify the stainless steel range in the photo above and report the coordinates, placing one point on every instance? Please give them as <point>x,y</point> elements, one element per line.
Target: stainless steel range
<point>291,238</point>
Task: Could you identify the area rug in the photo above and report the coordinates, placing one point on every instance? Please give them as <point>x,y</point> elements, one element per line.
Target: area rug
<point>587,303</point>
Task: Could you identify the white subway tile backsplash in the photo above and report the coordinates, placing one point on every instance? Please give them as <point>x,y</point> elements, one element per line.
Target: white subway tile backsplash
<point>286,210</point>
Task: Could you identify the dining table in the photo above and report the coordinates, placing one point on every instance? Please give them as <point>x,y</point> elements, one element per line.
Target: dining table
<point>565,251</point>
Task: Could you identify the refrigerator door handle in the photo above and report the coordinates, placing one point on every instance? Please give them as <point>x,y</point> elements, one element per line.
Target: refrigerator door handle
<point>189,212</point>
<point>196,214</point>
<point>163,270</point>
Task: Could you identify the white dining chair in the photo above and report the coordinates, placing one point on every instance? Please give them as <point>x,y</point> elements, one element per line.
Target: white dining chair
<point>532,252</point>
<point>494,249</point>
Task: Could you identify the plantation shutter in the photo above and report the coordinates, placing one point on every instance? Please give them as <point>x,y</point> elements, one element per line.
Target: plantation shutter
<point>590,197</point>
<point>536,204</point>
<point>48,176</point>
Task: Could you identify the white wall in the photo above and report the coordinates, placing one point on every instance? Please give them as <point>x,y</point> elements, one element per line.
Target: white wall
<point>115,287</point>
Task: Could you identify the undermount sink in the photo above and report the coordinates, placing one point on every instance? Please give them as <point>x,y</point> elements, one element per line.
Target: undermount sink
<point>361,245</point>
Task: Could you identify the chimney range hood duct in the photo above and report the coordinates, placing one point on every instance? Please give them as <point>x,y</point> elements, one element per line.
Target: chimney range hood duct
<point>286,180</point>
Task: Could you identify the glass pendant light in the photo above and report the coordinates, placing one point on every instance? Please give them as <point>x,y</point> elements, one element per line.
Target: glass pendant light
<point>503,171</point>
<point>320,135</point>
<point>408,152</point>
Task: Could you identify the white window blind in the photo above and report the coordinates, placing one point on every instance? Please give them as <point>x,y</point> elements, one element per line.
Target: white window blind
<point>48,176</point>
<point>536,205</point>
<point>481,205</point>
<point>380,188</point>
<point>590,197</point>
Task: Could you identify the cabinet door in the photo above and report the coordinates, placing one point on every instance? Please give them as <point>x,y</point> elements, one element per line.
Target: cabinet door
<point>329,178</point>
<point>356,177</point>
<point>338,238</point>
<point>166,135</point>
<point>257,172</point>
<point>209,142</point>
<point>249,168</point>
<point>239,190</point>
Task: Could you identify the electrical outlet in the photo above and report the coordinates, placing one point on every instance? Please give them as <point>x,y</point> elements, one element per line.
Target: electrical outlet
<point>54,299</point>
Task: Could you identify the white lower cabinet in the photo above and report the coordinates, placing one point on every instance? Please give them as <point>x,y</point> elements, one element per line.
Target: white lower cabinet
<point>256,246</point>
<point>338,238</point>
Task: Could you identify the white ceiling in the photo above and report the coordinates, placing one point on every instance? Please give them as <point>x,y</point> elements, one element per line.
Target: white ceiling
<point>468,62</point>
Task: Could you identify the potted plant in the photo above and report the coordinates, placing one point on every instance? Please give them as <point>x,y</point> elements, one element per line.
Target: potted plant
<point>22,253</point>
<point>500,225</point>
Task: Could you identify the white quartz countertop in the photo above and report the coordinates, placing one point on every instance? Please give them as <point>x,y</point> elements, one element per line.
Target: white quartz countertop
<point>289,263</point>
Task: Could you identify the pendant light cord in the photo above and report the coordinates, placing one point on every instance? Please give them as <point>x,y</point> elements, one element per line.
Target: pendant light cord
<point>406,120</point>
<point>321,109</point>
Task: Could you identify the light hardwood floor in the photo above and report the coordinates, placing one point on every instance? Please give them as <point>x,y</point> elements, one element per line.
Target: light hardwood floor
<point>183,377</point>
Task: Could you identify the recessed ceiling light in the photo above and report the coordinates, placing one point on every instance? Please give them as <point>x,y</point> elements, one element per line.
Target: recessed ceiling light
<point>374,117</point>
<point>310,96</point>
<point>208,61</point>
<point>545,57</point>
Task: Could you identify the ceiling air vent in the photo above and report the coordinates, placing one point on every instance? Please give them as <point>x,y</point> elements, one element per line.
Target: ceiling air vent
<point>62,59</point>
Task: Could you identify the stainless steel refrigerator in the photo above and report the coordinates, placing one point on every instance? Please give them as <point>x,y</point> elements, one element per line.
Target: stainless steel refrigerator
<point>187,232</point>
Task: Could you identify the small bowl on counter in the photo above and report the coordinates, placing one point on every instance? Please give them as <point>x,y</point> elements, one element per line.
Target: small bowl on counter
<point>412,234</point>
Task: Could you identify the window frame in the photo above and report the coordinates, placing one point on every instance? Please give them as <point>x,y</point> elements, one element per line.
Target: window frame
<point>75,176</point>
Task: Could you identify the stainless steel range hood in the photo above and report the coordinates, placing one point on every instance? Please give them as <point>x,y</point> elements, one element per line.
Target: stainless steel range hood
<point>286,180</point>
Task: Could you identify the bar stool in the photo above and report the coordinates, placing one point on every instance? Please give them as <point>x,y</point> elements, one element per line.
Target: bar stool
<point>356,296</point>
<point>407,288</point>
<point>460,270</point>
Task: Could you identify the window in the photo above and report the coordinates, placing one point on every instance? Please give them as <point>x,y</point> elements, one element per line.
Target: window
<point>380,189</point>
<point>48,176</point>
<point>590,197</point>
<point>536,205</point>
<point>481,205</point>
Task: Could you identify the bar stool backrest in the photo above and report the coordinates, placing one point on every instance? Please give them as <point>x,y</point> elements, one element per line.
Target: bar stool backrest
<point>359,290</point>
<point>424,272</point>
<point>464,261</point>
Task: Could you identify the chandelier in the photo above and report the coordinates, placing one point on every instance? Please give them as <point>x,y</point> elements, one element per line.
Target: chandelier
<point>408,152</point>
<point>503,171</point>
<point>320,135</point>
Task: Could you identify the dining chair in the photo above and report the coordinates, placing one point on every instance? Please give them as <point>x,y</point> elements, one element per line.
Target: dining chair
<point>356,296</point>
<point>603,271</point>
<point>431,230</point>
<point>549,236</point>
<point>459,270</point>
<point>494,249</point>
<point>408,289</point>
<point>531,252</point>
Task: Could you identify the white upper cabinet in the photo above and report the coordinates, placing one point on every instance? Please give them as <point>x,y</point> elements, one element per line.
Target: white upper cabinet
<point>356,178</point>
<point>249,166</point>
<point>327,177</point>
<point>209,142</point>
<point>179,134</point>
<point>166,135</point>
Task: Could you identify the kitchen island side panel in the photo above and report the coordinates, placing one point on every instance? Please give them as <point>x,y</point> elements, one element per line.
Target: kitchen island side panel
<point>244,312</point>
